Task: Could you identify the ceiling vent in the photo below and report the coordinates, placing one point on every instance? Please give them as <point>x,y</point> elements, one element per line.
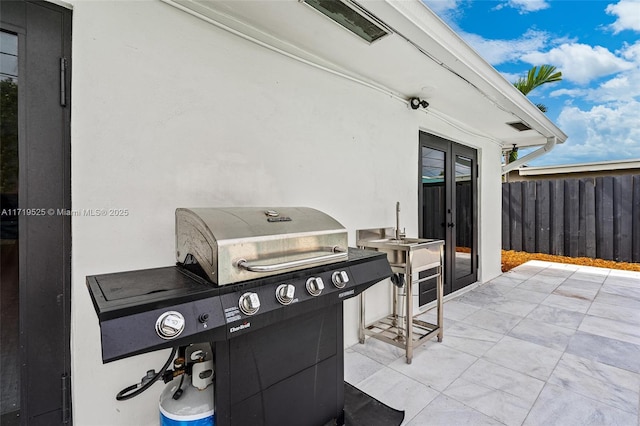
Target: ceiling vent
<point>519,126</point>
<point>351,16</point>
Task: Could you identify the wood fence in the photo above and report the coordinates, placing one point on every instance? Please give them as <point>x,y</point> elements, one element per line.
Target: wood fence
<point>586,217</point>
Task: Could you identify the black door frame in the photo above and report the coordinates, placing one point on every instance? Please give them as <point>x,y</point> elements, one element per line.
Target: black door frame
<point>451,150</point>
<point>44,153</point>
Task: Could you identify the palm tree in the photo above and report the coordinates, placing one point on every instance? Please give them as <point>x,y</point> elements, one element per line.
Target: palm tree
<point>535,77</point>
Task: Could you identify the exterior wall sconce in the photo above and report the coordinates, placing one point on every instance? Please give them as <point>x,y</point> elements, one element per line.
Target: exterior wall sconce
<point>416,103</point>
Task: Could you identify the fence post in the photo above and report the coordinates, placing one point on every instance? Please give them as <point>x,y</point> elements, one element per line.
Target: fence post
<point>571,216</point>
<point>506,218</point>
<point>590,218</point>
<point>623,221</point>
<point>543,222</point>
<point>529,216</point>
<point>604,217</point>
<point>515,213</point>
<point>557,217</point>
<point>636,219</point>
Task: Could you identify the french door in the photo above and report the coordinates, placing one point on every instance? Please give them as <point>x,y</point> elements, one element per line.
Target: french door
<point>35,43</point>
<point>447,200</point>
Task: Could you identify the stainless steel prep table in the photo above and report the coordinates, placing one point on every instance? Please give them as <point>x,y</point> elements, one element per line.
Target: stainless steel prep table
<point>409,257</point>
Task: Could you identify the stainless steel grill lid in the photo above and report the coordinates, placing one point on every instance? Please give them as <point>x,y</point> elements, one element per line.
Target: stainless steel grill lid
<point>236,244</point>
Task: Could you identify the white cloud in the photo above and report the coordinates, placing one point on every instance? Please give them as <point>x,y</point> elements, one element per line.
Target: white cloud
<point>632,52</point>
<point>605,132</point>
<point>574,93</point>
<point>627,13</point>
<point>511,76</point>
<point>442,7</point>
<point>500,51</point>
<point>623,87</point>
<point>524,6</point>
<point>620,88</point>
<point>580,63</point>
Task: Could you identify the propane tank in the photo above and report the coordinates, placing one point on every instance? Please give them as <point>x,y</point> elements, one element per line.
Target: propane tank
<point>188,400</point>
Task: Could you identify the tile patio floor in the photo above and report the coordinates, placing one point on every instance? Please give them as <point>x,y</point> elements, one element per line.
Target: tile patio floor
<point>543,344</point>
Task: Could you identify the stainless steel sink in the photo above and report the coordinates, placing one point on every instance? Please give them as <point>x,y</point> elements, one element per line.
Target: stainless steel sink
<point>401,244</point>
<point>424,253</point>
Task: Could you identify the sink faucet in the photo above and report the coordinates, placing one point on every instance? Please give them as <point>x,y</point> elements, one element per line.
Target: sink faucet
<point>399,235</point>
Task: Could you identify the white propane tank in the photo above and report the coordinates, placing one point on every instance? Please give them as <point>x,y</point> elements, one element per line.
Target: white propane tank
<point>194,407</point>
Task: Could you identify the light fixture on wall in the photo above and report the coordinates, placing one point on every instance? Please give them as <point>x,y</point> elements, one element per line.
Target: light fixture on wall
<point>351,16</point>
<point>416,103</point>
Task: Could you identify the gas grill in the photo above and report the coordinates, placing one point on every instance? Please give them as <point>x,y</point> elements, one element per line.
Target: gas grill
<point>264,286</point>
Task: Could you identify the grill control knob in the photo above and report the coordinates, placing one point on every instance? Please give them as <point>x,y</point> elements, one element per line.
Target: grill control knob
<point>170,324</point>
<point>249,303</point>
<point>340,279</point>
<point>285,293</point>
<point>315,286</point>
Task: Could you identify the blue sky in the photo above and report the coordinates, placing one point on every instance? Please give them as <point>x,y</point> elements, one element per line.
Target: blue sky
<point>596,45</point>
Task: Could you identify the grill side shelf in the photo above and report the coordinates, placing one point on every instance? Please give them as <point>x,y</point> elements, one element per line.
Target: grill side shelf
<point>127,293</point>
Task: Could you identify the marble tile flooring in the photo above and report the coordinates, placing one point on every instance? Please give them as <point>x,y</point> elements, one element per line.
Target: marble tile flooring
<point>543,344</point>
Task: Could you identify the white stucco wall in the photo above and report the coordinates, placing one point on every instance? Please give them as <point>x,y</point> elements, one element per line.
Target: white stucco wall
<point>168,111</point>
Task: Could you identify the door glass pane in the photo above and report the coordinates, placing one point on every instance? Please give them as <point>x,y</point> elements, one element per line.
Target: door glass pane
<point>8,55</point>
<point>9,331</point>
<point>433,193</point>
<point>464,217</point>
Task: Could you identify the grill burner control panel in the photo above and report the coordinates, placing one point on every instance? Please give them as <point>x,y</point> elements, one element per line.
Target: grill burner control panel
<point>276,301</point>
<point>141,311</point>
<point>249,303</point>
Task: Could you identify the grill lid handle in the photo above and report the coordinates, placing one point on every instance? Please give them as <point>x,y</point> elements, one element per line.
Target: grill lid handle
<point>336,253</point>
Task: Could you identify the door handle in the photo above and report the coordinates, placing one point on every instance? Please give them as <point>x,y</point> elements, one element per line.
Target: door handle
<point>450,225</point>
